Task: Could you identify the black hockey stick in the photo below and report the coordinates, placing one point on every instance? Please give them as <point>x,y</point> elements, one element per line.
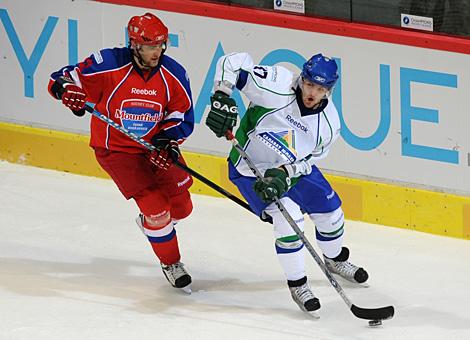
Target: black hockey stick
<point>374,314</point>
<point>150,147</point>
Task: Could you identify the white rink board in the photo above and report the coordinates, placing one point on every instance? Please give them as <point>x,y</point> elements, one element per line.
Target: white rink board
<point>425,142</point>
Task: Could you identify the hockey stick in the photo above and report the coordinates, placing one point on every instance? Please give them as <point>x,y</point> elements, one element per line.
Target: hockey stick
<point>150,147</point>
<point>374,314</point>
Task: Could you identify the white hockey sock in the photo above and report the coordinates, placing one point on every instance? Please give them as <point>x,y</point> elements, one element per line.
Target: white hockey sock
<point>331,248</point>
<point>329,231</point>
<point>293,264</point>
<point>289,248</point>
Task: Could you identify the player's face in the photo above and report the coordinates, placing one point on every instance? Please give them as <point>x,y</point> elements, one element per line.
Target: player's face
<point>150,54</point>
<point>312,93</point>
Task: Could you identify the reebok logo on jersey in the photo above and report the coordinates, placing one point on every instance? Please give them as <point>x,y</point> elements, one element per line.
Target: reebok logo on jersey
<point>144,91</point>
<point>297,124</point>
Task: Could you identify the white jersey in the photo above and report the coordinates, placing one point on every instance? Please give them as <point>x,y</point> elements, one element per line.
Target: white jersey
<point>275,130</point>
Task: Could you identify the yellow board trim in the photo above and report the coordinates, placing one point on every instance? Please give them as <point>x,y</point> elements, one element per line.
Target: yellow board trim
<point>372,202</point>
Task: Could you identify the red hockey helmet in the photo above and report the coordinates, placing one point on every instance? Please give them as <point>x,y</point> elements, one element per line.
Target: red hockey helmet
<point>147,29</point>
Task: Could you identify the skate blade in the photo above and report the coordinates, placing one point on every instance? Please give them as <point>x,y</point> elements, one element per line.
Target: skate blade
<point>347,281</point>
<point>314,315</point>
<point>186,290</point>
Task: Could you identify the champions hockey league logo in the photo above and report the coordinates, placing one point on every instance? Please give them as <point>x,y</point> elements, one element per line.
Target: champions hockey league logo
<point>282,142</point>
<point>139,116</point>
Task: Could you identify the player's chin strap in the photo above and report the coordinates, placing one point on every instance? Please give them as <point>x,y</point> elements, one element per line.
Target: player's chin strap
<point>140,60</point>
<point>374,314</point>
<point>150,147</point>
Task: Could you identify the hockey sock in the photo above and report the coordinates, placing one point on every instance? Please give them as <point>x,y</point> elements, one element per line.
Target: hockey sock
<point>164,242</point>
<point>290,252</point>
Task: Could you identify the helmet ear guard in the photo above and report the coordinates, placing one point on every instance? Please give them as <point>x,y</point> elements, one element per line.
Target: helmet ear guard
<point>321,70</point>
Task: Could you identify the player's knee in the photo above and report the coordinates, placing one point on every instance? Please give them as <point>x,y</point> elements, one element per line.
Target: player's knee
<point>329,223</point>
<point>155,206</point>
<point>181,205</point>
<point>159,220</point>
<point>282,228</point>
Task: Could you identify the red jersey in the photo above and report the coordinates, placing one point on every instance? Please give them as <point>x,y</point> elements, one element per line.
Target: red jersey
<point>158,102</point>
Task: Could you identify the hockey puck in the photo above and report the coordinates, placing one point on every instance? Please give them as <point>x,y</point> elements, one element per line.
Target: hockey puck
<point>375,323</point>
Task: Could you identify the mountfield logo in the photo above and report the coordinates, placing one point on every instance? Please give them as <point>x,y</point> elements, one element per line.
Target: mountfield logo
<point>141,117</point>
<point>144,92</point>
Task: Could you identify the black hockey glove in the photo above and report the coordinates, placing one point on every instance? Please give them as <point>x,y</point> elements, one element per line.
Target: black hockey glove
<point>166,152</point>
<point>274,184</point>
<point>223,114</point>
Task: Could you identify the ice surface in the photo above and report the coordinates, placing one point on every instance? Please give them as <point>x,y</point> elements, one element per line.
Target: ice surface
<point>73,265</point>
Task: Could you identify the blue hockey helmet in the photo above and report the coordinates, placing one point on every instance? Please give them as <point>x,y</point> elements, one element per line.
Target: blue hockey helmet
<point>321,70</point>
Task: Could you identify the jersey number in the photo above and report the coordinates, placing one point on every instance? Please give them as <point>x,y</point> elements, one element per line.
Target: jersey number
<point>260,71</point>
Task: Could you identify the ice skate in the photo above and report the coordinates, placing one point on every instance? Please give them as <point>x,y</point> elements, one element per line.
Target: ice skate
<point>303,296</point>
<point>177,276</point>
<point>341,266</point>
<point>139,220</point>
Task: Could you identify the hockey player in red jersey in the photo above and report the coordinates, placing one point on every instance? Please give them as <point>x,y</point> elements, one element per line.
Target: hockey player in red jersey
<point>148,93</point>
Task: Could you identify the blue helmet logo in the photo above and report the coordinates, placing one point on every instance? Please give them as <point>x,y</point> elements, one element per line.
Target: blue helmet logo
<point>406,20</point>
<point>321,70</point>
<point>319,80</point>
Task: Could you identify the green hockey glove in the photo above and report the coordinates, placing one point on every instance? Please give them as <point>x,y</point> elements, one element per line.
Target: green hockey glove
<point>223,114</point>
<point>274,184</point>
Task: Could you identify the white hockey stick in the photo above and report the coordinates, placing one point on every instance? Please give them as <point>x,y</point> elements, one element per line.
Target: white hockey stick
<point>374,314</point>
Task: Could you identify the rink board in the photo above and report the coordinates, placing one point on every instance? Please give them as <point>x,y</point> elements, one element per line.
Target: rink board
<point>379,203</point>
<point>401,95</point>
<point>404,111</point>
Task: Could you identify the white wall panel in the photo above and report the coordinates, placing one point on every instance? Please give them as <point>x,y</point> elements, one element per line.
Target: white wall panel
<point>424,92</point>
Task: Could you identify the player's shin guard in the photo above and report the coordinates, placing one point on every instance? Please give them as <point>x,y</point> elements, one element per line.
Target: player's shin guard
<point>289,247</point>
<point>164,242</point>
<point>329,231</point>
<point>290,252</point>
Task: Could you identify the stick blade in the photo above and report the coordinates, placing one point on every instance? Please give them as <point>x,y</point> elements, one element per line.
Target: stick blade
<point>382,313</point>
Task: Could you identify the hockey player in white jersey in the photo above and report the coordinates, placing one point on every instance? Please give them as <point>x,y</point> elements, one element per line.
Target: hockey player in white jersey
<point>289,125</point>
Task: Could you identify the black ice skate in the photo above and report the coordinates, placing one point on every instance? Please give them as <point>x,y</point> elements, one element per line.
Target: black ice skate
<point>177,276</point>
<point>341,266</point>
<point>303,296</point>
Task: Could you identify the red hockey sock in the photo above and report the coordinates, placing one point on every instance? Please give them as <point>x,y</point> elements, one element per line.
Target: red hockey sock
<point>164,243</point>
